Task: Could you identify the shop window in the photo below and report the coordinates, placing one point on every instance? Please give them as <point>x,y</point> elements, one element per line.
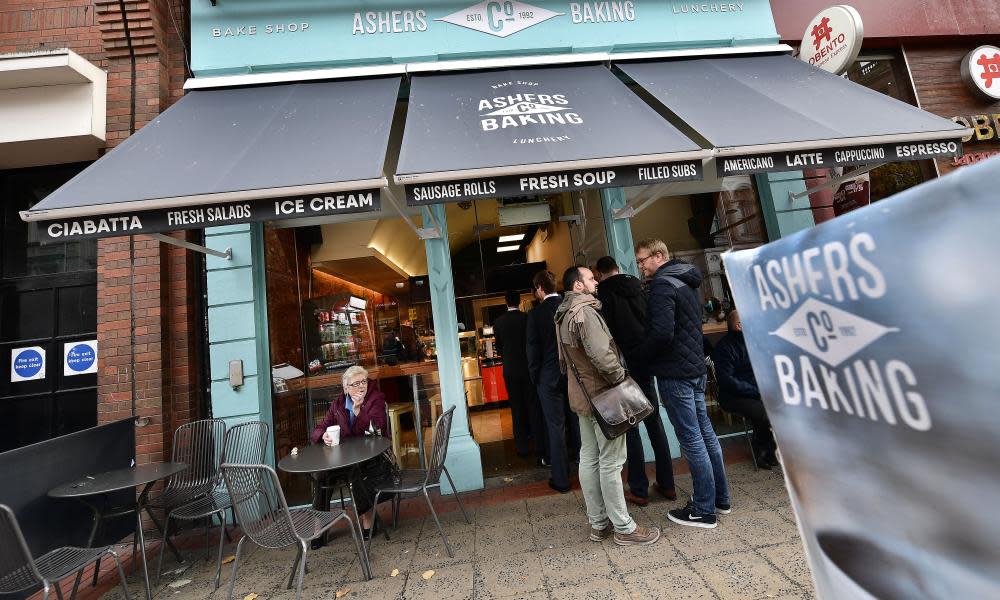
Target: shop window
<point>344,294</point>
<point>699,222</point>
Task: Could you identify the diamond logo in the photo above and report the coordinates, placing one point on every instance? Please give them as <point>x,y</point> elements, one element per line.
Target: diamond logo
<point>500,18</point>
<point>830,334</point>
<point>526,108</point>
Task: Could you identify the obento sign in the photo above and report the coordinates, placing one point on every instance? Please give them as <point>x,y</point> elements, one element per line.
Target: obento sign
<point>878,373</point>
<point>981,72</point>
<point>832,40</point>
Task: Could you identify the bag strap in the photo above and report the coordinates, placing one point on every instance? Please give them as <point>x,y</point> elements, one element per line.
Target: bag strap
<point>565,355</point>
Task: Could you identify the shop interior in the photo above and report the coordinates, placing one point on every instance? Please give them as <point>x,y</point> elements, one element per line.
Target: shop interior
<point>357,292</point>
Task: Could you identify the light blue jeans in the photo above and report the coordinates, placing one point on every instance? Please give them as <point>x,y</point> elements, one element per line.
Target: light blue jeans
<point>684,400</point>
<point>601,463</point>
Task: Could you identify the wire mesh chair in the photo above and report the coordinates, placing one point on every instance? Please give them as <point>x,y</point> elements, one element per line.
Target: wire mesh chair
<point>267,521</point>
<point>412,481</point>
<point>20,571</point>
<point>199,445</point>
<point>244,444</point>
<point>747,429</point>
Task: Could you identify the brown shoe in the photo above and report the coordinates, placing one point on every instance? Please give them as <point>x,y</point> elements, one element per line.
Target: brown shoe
<point>637,500</point>
<point>668,494</point>
<point>642,536</point>
<point>597,535</point>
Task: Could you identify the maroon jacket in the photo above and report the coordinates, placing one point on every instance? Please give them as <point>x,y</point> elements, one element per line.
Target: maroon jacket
<point>372,414</point>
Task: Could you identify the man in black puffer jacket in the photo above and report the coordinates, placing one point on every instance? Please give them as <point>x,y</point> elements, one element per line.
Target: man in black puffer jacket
<point>675,354</point>
<point>738,391</point>
<point>623,306</point>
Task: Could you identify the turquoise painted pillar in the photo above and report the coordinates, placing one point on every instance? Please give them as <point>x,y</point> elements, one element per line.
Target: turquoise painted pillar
<point>237,325</point>
<point>783,216</point>
<point>464,461</point>
<point>622,248</point>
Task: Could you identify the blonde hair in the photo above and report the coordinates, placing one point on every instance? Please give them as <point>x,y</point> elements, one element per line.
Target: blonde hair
<point>351,372</point>
<point>654,246</point>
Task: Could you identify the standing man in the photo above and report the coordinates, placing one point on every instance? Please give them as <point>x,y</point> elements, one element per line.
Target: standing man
<point>623,306</point>
<point>543,366</point>
<point>510,330</point>
<point>738,391</point>
<point>675,353</point>
<point>594,363</point>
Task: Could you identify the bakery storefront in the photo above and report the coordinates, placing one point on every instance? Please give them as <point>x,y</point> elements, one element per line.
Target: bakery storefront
<point>372,181</point>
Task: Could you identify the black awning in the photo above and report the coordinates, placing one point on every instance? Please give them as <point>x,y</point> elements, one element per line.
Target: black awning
<point>777,113</point>
<point>528,131</point>
<point>231,156</point>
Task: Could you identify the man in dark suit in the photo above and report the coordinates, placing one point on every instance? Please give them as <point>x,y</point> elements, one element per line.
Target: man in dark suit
<point>543,366</point>
<point>510,330</point>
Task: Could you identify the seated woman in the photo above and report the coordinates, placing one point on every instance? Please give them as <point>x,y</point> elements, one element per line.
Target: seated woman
<point>359,411</point>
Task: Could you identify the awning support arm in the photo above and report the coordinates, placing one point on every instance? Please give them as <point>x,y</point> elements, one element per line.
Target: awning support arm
<point>637,204</point>
<point>836,181</point>
<point>166,239</point>
<point>424,233</point>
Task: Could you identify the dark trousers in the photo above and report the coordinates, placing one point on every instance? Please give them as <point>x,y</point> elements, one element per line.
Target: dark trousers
<point>563,428</point>
<point>753,409</point>
<point>638,482</point>
<point>364,481</point>
<point>526,415</point>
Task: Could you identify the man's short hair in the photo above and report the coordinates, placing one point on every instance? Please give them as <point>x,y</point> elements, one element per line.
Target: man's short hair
<point>654,246</point>
<point>571,276</point>
<point>731,318</point>
<point>606,265</point>
<point>545,280</point>
<point>512,298</point>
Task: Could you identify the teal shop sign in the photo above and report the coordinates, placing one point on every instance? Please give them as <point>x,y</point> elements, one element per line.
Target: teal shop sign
<point>255,36</point>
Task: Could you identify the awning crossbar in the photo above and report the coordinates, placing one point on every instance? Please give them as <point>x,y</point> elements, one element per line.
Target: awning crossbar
<point>836,181</point>
<point>166,239</point>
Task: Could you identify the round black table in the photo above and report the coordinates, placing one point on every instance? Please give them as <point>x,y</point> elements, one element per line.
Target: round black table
<point>113,481</point>
<point>351,453</point>
<point>319,458</point>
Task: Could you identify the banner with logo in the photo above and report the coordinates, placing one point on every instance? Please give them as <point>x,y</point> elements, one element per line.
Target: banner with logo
<point>261,35</point>
<point>873,338</point>
<point>535,131</point>
<point>822,158</point>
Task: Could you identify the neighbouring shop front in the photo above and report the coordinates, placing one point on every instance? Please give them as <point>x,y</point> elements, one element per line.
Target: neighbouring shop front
<point>371,182</point>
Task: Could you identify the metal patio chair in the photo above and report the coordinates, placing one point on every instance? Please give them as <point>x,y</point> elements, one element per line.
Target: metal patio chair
<point>266,520</point>
<point>710,365</point>
<point>412,481</point>
<point>20,571</point>
<point>244,444</point>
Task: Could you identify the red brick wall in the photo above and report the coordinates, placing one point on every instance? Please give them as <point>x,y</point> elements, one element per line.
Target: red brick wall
<point>163,278</point>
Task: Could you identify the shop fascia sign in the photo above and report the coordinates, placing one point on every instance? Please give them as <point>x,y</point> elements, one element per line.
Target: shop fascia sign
<point>825,158</point>
<point>985,128</point>
<point>832,39</point>
<point>250,35</point>
<point>209,215</point>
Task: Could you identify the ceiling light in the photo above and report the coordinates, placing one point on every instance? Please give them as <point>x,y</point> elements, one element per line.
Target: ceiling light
<point>517,237</point>
<point>508,248</point>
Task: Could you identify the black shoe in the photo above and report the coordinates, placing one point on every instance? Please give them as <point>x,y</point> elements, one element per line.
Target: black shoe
<point>692,518</point>
<point>723,508</point>
<point>763,462</point>
<point>557,488</point>
<point>543,462</point>
<point>772,459</point>
<point>317,543</point>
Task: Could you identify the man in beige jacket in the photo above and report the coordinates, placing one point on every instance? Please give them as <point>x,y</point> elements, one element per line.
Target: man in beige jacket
<point>585,343</point>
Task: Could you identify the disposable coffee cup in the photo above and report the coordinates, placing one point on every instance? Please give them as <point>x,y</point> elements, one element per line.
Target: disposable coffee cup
<point>334,431</point>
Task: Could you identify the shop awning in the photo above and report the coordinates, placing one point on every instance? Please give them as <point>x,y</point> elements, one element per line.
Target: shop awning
<point>234,156</point>
<point>531,131</point>
<point>777,113</point>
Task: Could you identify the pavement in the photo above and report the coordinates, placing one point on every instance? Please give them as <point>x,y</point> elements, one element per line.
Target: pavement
<point>528,542</point>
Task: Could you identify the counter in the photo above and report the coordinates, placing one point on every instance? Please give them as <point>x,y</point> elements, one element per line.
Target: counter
<point>333,379</point>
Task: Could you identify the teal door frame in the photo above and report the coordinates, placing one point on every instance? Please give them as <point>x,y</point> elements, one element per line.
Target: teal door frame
<point>464,461</point>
